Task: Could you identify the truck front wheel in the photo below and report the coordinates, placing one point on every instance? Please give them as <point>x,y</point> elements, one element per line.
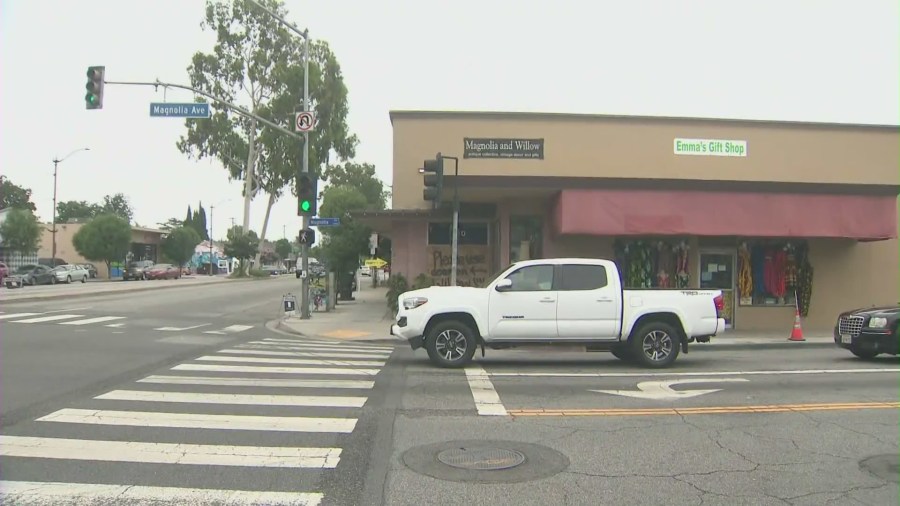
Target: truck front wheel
<point>655,344</point>
<point>450,344</point>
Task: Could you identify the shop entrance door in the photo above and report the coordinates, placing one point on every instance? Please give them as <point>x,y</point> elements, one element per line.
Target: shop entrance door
<point>717,273</point>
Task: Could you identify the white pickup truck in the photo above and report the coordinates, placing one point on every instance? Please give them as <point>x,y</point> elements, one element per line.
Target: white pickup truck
<point>557,301</point>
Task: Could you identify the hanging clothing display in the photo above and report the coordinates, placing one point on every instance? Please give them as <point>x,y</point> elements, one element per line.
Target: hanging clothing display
<point>652,264</point>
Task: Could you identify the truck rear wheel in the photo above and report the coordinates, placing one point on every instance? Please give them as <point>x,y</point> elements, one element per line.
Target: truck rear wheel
<point>450,344</point>
<point>655,344</point>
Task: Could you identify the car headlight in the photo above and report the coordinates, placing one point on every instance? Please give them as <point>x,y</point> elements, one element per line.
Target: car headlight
<point>413,302</point>
<point>877,323</point>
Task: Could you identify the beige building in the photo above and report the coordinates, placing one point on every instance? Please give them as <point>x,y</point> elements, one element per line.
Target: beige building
<point>777,215</point>
<point>145,245</point>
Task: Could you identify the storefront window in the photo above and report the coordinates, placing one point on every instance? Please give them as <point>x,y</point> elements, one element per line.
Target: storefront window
<point>653,263</point>
<point>526,238</point>
<point>774,273</point>
<point>470,234</point>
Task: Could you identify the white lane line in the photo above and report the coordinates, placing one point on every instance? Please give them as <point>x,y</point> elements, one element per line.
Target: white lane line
<point>673,374</point>
<point>487,402</point>
<point>294,361</point>
<point>257,382</point>
<point>89,321</point>
<point>273,340</point>
<point>200,421</point>
<point>169,453</point>
<point>276,370</point>
<point>39,493</point>
<point>308,354</point>
<point>179,329</point>
<point>43,319</point>
<point>243,399</point>
<point>115,325</point>
<point>237,328</point>
<point>16,315</point>
<point>217,332</point>
<point>303,346</point>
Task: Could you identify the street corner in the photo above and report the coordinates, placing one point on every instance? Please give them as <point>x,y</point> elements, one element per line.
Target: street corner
<point>311,329</point>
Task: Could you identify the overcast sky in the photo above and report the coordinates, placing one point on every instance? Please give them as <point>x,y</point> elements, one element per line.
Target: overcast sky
<point>803,60</point>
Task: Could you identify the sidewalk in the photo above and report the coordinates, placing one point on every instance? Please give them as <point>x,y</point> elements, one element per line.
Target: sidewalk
<point>368,319</point>
<point>97,288</point>
<point>365,319</point>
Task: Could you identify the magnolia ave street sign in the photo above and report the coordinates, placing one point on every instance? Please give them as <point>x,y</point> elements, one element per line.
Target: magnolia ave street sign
<point>376,263</point>
<point>305,121</point>
<point>174,110</point>
<point>324,222</point>
<point>662,390</point>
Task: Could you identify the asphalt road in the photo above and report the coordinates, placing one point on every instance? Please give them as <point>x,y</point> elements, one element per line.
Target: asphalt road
<point>188,417</point>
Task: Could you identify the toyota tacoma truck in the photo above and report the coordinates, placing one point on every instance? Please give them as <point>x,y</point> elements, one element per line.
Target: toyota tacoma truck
<point>573,301</point>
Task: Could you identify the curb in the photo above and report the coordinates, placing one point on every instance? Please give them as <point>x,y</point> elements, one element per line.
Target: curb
<point>78,295</point>
<point>764,346</point>
<point>281,327</point>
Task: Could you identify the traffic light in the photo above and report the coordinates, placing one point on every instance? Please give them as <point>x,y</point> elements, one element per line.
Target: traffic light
<point>307,193</point>
<point>434,180</point>
<point>94,97</point>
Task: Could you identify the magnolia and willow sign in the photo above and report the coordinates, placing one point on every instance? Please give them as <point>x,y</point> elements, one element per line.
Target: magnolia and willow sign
<point>516,149</point>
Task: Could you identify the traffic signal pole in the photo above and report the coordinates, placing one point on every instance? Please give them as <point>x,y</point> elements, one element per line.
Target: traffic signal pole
<point>304,219</point>
<point>454,241</point>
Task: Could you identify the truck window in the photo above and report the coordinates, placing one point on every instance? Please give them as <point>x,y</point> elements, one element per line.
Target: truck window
<point>533,278</point>
<point>583,277</point>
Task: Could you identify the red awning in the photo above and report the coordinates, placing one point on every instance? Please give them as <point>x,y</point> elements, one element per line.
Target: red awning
<point>650,212</point>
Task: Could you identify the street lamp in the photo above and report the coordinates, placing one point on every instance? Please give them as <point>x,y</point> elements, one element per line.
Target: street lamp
<point>55,167</point>
<point>211,208</point>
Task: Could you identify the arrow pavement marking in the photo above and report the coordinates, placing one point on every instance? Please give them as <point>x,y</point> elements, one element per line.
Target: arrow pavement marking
<point>662,391</point>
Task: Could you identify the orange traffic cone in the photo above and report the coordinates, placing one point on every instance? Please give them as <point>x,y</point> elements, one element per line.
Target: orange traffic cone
<point>797,332</point>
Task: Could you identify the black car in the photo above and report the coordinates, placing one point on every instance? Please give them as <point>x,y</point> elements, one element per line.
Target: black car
<point>30,274</point>
<point>869,332</point>
<point>136,270</point>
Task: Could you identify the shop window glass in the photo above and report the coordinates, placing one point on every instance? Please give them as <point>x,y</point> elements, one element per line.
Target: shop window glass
<point>653,263</point>
<point>774,273</point>
<point>583,277</point>
<point>526,238</point>
<point>470,234</point>
<point>533,278</point>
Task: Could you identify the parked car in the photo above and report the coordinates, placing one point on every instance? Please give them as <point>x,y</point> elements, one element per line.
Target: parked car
<point>92,270</point>
<point>558,301</point>
<point>163,271</point>
<point>30,274</point>
<point>69,273</point>
<point>4,271</point>
<point>869,332</point>
<point>135,270</point>
<point>365,270</point>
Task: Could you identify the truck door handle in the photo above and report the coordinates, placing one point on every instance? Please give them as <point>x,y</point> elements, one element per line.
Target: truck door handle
<point>548,300</point>
<point>604,300</point>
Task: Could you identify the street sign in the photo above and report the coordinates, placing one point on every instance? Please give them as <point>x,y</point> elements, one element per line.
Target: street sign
<point>183,110</point>
<point>324,222</point>
<point>375,262</point>
<point>305,121</point>
<point>662,390</point>
<point>307,237</point>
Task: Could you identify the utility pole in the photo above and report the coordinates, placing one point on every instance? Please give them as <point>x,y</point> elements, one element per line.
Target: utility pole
<point>55,171</point>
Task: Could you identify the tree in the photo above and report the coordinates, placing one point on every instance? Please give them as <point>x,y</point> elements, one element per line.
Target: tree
<point>241,246</point>
<point>21,232</point>
<point>76,210</point>
<point>117,204</point>
<point>362,177</point>
<point>283,248</point>
<point>15,196</point>
<point>179,245</point>
<point>171,224</point>
<point>106,239</point>
<point>257,62</point>
<point>343,245</point>
<point>188,218</point>
<point>202,224</point>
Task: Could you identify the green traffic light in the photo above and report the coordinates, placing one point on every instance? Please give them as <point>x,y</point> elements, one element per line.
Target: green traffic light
<point>305,206</point>
<point>91,98</point>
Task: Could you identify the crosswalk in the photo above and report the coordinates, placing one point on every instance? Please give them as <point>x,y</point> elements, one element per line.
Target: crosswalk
<point>295,400</point>
<point>114,322</point>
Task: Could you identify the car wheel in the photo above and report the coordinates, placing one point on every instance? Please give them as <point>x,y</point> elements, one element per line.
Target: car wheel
<point>864,353</point>
<point>655,344</point>
<point>450,344</point>
<point>68,279</point>
<point>84,279</point>
<point>52,281</point>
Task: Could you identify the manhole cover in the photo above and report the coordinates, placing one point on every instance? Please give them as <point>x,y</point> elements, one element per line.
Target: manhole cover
<point>886,467</point>
<point>482,459</point>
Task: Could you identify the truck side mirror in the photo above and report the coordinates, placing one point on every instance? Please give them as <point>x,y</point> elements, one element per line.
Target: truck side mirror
<point>503,285</point>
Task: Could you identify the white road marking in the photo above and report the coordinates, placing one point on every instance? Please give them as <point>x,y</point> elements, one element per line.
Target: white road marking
<point>294,361</point>
<point>243,399</point>
<point>98,319</point>
<point>217,332</point>
<point>179,329</point>
<point>16,315</point>
<point>281,342</point>
<point>40,493</point>
<point>256,382</point>
<point>487,402</point>
<point>200,421</point>
<point>237,328</point>
<point>276,370</point>
<point>115,325</point>
<point>43,319</point>
<point>169,453</point>
<point>662,390</point>
<point>699,373</point>
<point>309,354</point>
<point>301,347</point>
